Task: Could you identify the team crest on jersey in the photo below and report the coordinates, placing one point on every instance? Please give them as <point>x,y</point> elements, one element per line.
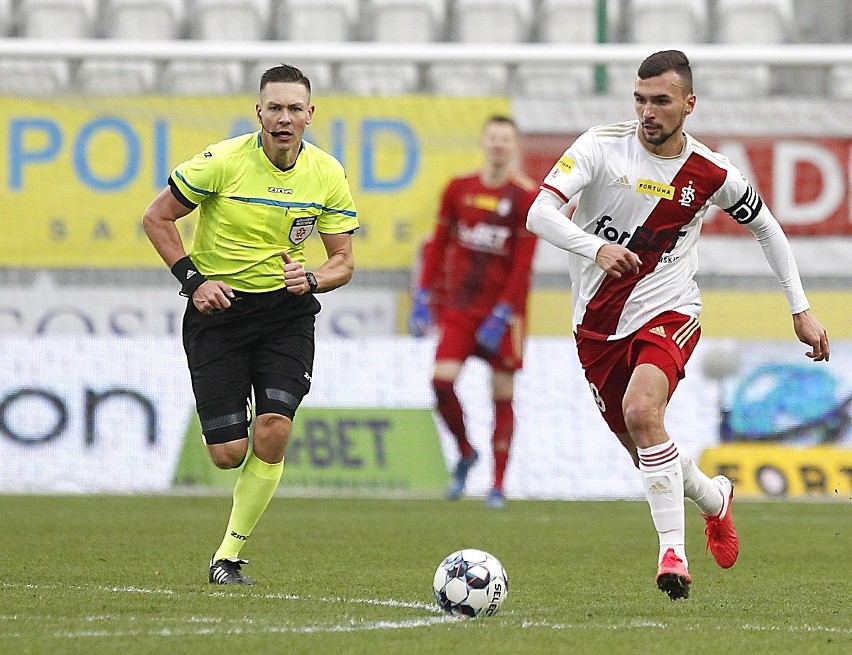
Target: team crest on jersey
<point>652,188</point>
<point>687,195</point>
<point>302,228</point>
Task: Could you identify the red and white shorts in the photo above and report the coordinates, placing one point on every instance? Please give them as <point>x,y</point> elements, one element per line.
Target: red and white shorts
<point>666,341</point>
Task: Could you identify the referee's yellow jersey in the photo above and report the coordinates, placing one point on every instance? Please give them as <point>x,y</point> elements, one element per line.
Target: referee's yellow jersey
<point>250,211</point>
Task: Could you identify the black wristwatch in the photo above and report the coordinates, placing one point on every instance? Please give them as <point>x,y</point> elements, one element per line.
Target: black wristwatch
<point>312,281</point>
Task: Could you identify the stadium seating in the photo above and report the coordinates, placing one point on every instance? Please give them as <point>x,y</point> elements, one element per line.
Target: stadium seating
<point>571,21</point>
<point>746,22</point>
<point>840,82</point>
<point>493,21</point>
<point>143,19</point>
<point>481,21</point>
<point>406,21</point>
<point>823,21</point>
<point>840,77</point>
<point>461,79</point>
<point>566,22</point>
<point>675,22</point>
<point>34,77</point>
<point>669,21</point>
<point>394,21</point>
<point>754,21</point>
<point>103,77</point>
<point>58,19</point>
<point>203,78</point>
<point>6,17</point>
<point>378,79</point>
<point>316,20</point>
<point>230,20</point>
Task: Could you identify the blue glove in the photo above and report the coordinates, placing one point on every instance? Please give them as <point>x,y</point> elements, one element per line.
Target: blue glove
<point>420,319</point>
<point>491,332</point>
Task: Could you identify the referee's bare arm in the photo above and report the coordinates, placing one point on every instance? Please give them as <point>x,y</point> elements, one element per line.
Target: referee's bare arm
<point>337,270</point>
<point>159,223</point>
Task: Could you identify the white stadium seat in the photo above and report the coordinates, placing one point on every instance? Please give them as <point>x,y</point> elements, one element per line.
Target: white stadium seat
<point>407,21</point>
<point>144,19</point>
<point>34,77</point>
<point>375,79</point>
<point>6,17</point>
<point>823,21</point>
<point>840,82</point>
<point>568,22</point>
<point>493,21</point>
<point>669,21</point>
<point>553,81</point>
<point>394,21</point>
<point>230,20</point>
<point>316,21</point>
<point>103,77</point>
<point>459,79</point>
<point>202,78</point>
<point>57,19</point>
<point>754,21</point>
<point>575,21</point>
<point>751,22</point>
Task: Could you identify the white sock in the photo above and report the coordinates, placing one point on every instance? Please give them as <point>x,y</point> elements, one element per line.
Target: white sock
<point>662,479</point>
<point>699,488</point>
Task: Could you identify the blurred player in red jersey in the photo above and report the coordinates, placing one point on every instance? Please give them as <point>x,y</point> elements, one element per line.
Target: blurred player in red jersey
<point>439,289</point>
<point>646,186</point>
<point>482,221</point>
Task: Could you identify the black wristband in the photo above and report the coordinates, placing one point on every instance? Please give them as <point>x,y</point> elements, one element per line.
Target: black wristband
<point>188,275</point>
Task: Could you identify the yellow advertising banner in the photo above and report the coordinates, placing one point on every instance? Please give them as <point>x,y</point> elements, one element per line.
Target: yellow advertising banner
<point>78,176</point>
<point>781,471</point>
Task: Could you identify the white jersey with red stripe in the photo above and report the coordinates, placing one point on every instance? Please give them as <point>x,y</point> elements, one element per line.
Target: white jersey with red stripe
<point>652,205</point>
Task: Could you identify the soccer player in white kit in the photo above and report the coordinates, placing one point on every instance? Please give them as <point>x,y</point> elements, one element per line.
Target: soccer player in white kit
<point>646,186</point>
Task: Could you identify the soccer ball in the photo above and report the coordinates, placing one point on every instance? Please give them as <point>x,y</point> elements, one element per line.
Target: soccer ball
<point>470,582</point>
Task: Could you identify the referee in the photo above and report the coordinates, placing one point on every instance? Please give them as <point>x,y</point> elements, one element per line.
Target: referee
<point>248,329</point>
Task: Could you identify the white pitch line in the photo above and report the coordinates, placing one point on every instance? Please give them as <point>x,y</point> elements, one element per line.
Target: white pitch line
<point>641,624</point>
<point>354,626</point>
<point>360,626</point>
<point>223,594</point>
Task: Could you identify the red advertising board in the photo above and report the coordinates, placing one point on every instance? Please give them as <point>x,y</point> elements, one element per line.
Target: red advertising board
<point>806,181</point>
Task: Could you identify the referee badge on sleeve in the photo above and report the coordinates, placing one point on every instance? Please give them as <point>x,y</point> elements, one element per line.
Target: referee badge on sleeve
<point>302,228</point>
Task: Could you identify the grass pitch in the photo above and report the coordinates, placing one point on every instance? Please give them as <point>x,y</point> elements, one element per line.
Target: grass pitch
<point>129,575</point>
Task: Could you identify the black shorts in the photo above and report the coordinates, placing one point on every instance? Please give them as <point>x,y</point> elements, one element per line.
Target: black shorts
<point>263,343</point>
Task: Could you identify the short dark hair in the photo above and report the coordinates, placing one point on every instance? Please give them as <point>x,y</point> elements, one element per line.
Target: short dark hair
<point>667,60</point>
<point>284,73</point>
<point>500,119</point>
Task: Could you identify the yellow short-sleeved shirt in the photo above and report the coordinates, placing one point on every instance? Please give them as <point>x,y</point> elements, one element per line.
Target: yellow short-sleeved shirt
<point>250,210</point>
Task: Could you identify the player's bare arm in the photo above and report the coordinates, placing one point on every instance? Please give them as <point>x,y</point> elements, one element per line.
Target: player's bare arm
<point>159,223</point>
<point>335,272</point>
<point>616,260</point>
<point>810,331</point>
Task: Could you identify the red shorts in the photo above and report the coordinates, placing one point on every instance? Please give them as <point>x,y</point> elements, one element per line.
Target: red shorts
<point>458,341</point>
<point>666,341</point>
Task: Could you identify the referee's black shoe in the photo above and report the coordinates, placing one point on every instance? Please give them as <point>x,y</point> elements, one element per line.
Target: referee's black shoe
<point>227,571</point>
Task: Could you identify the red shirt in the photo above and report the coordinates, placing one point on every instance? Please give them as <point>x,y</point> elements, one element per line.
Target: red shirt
<point>492,250</point>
